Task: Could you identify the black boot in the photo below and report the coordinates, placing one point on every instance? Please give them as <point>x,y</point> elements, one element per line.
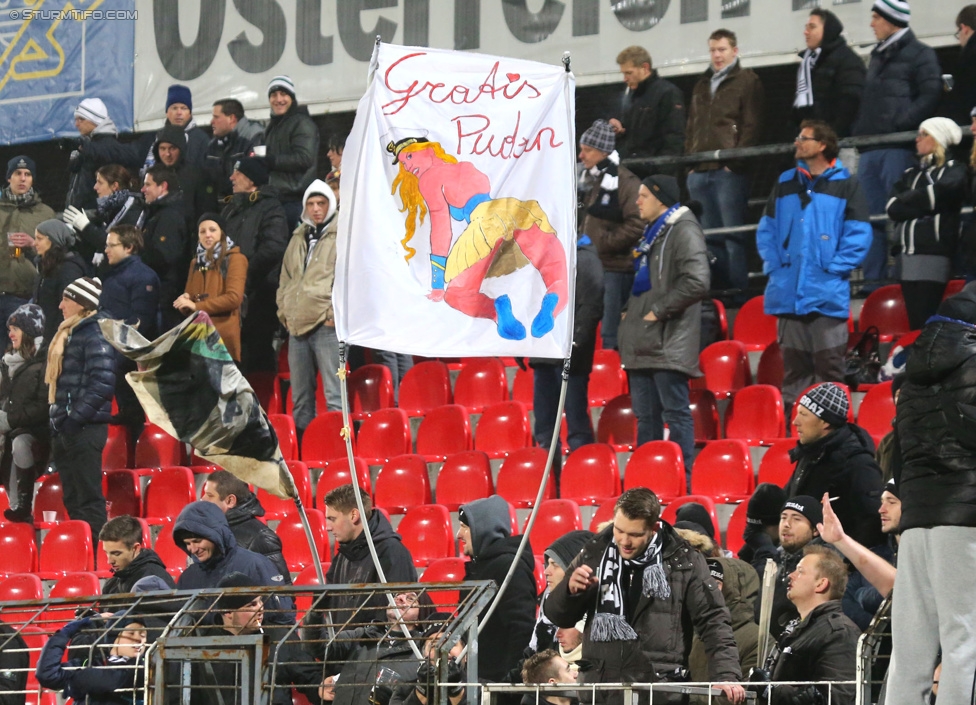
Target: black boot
<point>24,513</point>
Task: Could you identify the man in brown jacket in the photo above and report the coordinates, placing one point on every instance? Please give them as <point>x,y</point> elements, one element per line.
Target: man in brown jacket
<point>726,110</point>
<point>609,215</point>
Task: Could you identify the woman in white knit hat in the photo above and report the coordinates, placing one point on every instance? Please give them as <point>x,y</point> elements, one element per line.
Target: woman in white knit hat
<point>924,206</point>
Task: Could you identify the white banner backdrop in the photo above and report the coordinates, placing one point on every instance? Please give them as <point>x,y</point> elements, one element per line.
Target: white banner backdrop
<point>457,232</point>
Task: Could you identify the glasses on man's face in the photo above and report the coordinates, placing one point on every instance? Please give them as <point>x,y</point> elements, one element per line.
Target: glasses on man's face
<point>112,244</point>
<point>804,138</point>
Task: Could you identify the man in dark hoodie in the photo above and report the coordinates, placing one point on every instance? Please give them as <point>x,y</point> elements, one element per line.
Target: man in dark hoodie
<point>198,194</point>
<point>242,509</point>
<point>487,538</point>
<point>292,147</point>
<point>129,556</point>
<point>202,532</point>
<point>836,457</point>
<point>165,238</point>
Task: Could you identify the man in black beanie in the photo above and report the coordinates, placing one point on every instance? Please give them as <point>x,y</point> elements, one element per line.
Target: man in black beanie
<point>761,534</point>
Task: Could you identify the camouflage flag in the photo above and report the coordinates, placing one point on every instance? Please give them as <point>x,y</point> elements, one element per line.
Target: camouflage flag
<point>189,386</point>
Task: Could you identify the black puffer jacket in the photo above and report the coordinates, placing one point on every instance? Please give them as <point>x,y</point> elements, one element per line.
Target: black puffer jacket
<point>254,535</point>
<point>924,206</point>
<point>87,382</point>
<point>936,421</point>
<point>146,563</point>
<point>166,245</point>
<point>50,287</point>
<point>842,464</point>
<point>957,103</point>
<point>782,610</point>
<point>838,81</point>
<point>24,396</point>
<point>653,117</point>
<point>902,88</point>
<point>292,140</point>
<point>257,224</point>
<point>91,240</point>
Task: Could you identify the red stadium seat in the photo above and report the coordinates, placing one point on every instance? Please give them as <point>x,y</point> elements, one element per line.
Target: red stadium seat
<point>618,424</point>
<point>753,326</point>
<point>737,526</point>
<point>426,533</point>
<point>123,493</point>
<point>385,434</point>
<point>771,366</point>
<point>444,570</point>
<point>502,429</point>
<point>953,287</point>
<point>885,308</point>
<point>75,586</point>
<point>294,543</point>
<point>444,431</point>
<point>278,508</point>
<point>463,478</point>
<point>267,388</point>
<point>540,575</point>
<point>20,587</point>
<point>303,603</point>
<point>520,475</point>
<point>659,466</point>
<point>116,453</point>
<point>723,471</point>
<point>173,557</point>
<point>607,378</point>
<point>425,386</point>
<point>776,466</point>
<point>67,548</point>
<point>603,513</point>
<point>335,474</point>
<point>370,388</point>
<point>556,518</point>
<point>4,500</point>
<point>402,483</point>
<point>156,448</point>
<point>589,474</point>
<point>877,411</point>
<point>482,382</point>
<point>723,319</point>
<point>284,428</point>
<point>323,441</point>
<point>755,415</point>
<point>49,498</point>
<point>169,490</point>
<point>671,511</point>
<point>725,365</point>
<point>523,387</point>
<point>704,414</point>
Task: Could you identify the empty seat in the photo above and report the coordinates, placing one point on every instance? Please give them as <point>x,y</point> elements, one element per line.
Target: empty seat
<point>723,471</point>
<point>776,466</point>
<point>444,570</point>
<point>482,382</point>
<point>49,498</point>
<point>335,474</point>
<point>67,548</point>
<point>723,319</point>
<point>369,388</point>
<point>21,587</point>
<point>877,411</point>
<point>156,448</point>
<point>607,378</point>
<point>885,309</point>
<point>603,513</point>
<point>425,386</point>
<point>426,533</point>
<point>463,478</point>
<point>123,493</point>
<point>659,466</point>
<point>753,326</point>
<point>771,366</point>
<point>116,454</point>
<point>444,431</point>
<point>278,508</point>
<point>737,526</point>
<point>590,474</point>
<point>307,577</point>
<point>294,542</point>
<point>618,424</point>
<point>953,287</point>
<point>523,387</point>
<point>267,388</point>
<point>385,434</point>
<point>671,511</point>
<point>402,483</point>
<point>168,491</point>
<point>323,441</point>
<point>74,586</point>
<point>521,475</point>
<point>755,415</point>
<point>704,414</point>
<point>502,429</point>
<point>725,365</point>
<point>556,518</point>
<point>284,428</point>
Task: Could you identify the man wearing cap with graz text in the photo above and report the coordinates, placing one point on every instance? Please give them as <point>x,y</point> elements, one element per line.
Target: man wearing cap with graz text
<point>836,457</point>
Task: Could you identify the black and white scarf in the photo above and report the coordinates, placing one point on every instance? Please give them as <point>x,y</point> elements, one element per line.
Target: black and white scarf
<point>603,176</point>
<point>206,259</point>
<point>23,199</point>
<point>610,621</point>
<point>804,82</point>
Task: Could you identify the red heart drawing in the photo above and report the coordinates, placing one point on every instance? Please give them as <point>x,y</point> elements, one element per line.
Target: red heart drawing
<point>512,77</point>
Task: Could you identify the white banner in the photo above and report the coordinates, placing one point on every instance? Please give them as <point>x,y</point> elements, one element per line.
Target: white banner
<point>457,232</point>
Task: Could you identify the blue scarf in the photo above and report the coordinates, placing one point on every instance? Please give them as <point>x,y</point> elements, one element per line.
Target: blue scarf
<point>642,280</point>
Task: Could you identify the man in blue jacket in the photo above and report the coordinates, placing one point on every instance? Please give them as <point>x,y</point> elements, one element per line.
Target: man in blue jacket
<point>814,231</point>
<point>202,531</point>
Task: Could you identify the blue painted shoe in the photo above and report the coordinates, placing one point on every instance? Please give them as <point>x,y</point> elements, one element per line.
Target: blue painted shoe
<point>544,320</point>
<point>508,325</point>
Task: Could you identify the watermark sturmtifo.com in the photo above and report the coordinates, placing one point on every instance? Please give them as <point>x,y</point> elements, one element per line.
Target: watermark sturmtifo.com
<point>79,15</point>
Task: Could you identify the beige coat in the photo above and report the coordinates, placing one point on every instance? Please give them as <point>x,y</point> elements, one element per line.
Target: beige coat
<point>305,293</point>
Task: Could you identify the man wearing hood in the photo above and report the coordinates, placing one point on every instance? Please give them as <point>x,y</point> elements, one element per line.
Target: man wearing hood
<point>170,150</point>
<point>635,581</point>
<point>242,509</point>
<point>165,236</point>
<point>292,142</point>
<point>830,79</point>
<point>128,557</point>
<point>202,532</point>
<point>21,211</point>
<point>98,146</point>
<point>305,304</point>
<point>234,136</point>
<point>257,223</point>
<point>487,539</point>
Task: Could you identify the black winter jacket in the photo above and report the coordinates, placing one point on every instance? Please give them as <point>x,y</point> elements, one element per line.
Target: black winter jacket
<point>782,610</point>
<point>842,464</point>
<point>902,88</point>
<point>49,289</point>
<point>94,152</point>
<point>924,206</point>
<point>91,240</point>
<point>166,245</point>
<point>257,224</point>
<point>665,628</point>
<point>822,647</point>
<point>256,536</point>
<point>936,424</point>
<point>653,117</point>
<point>224,152</point>
<point>87,382</point>
<point>130,292</point>
<point>358,654</point>
<point>146,563</point>
<point>292,140</point>
<point>199,196</point>
<point>24,397</point>
<point>14,665</point>
<point>838,81</point>
<point>957,103</point>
